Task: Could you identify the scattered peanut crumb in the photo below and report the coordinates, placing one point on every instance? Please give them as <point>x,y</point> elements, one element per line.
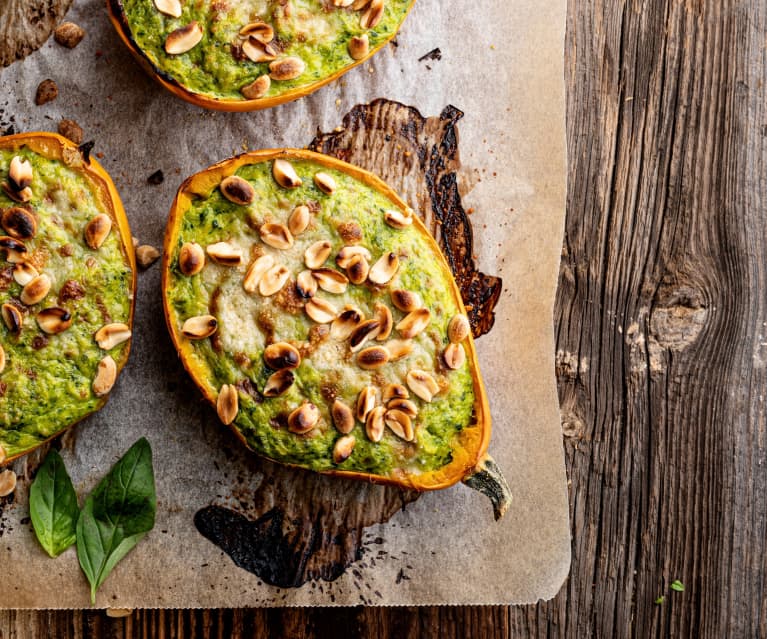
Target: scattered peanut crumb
<point>71,130</point>
<point>69,34</point>
<point>7,482</point>
<point>119,612</point>
<point>47,91</point>
<point>146,255</point>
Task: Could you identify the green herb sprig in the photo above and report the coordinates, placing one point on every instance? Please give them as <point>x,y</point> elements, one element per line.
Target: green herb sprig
<point>115,516</point>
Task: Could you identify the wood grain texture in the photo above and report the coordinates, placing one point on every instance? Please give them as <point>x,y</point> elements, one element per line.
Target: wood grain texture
<point>661,324</point>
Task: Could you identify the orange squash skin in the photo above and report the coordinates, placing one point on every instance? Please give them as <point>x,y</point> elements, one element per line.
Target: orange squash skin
<point>120,22</point>
<point>52,145</point>
<point>471,442</point>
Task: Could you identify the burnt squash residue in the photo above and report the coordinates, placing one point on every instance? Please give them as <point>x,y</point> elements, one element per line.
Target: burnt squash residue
<point>298,525</point>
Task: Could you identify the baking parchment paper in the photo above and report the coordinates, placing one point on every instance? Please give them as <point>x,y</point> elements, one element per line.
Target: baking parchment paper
<point>502,64</point>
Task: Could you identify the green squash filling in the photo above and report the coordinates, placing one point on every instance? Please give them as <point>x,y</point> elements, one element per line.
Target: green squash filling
<point>46,383</point>
<point>219,66</point>
<point>328,370</point>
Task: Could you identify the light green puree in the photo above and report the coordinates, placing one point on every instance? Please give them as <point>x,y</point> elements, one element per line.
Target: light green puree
<point>45,388</point>
<point>262,423</point>
<point>211,69</point>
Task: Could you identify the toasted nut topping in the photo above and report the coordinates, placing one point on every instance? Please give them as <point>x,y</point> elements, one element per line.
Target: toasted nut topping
<point>281,355</point>
<point>422,384</point>
<point>97,230</point>
<point>147,255</point>
<point>400,424</point>
<point>359,47</point>
<point>259,30</point>
<point>384,269</point>
<point>15,251</point>
<point>285,175</point>
<point>358,5</point>
<point>54,320</point>
<point>321,311</point>
<point>399,348</point>
<point>191,258</point>
<point>394,391</point>
<point>3,454</point>
<point>372,357</point>
<point>170,8</point>
<point>343,417</point>
<point>345,323</point>
<point>372,15</point>
<point>406,301</point>
<point>303,419</point>
<point>12,317</point>
<point>256,271</point>
<point>374,424</point>
<point>279,382</point>
<point>273,280</point>
<point>317,253</point>
<point>19,223</point>
<point>200,327</point>
<point>454,356</point>
<point>366,401</point>
<point>20,173</point>
<point>414,322</point>
<point>106,374</point>
<point>330,280</point>
<point>458,329</point>
<point>258,88</point>
<point>110,335</point>
<point>358,269</point>
<point>24,273</point>
<point>227,403</point>
<point>365,331</point>
<point>237,190</point>
<point>286,68</point>
<point>25,195</point>
<point>399,219</point>
<point>257,51</point>
<point>404,405</point>
<point>183,39</point>
<point>343,448</point>
<point>276,235</point>
<point>345,255</point>
<point>8,482</point>
<point>299,219</point>
<point>2,359</point>
<point>306,285</point>
<point>225,254</point>
<point>325,182</point>
<point>382,313</point>
<point>36,290</point>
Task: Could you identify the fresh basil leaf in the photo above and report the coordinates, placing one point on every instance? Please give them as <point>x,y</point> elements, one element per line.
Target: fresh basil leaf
<point>53,505</point>
<point>117,514</point>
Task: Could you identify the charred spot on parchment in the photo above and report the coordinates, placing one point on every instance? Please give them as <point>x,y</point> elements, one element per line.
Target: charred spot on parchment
<point>26,24</point>
<point>298,525</point>
<point>419,158</point>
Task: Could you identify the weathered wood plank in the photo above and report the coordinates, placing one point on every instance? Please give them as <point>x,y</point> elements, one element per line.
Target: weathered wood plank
<point>660,322</point>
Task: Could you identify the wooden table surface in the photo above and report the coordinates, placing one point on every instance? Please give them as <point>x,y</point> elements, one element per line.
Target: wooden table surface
<point>661,327</point>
